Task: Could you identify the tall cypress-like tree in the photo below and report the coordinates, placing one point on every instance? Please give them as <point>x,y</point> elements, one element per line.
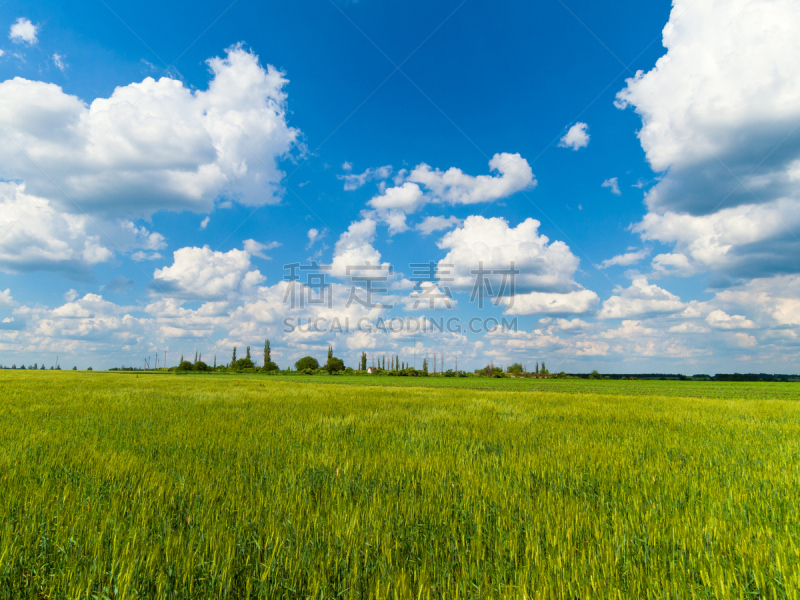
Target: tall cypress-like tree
<point>233,360</point>
<point>267,354</point>
<point>195,356</point>
<point>248,353</point>
<point>215,361</point>
<point>330,351</point>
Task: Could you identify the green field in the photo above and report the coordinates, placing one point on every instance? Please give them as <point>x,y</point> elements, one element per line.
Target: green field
<point>165,486</point>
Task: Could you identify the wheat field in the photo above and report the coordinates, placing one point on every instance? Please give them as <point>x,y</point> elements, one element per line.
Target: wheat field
<point>118,486</point>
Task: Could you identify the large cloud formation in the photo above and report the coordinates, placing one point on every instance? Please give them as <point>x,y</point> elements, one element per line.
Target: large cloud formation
<point>154,145</point>
<point>83,173</point>
<point>721,119</point>
<point>425,185</point>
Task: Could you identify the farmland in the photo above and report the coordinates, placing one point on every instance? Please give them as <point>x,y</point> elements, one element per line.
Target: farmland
<point>166,486</point>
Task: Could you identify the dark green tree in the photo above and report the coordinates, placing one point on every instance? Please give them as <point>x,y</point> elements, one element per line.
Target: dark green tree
<point>363,361</point>
<point>268,364</point>
<point>330,351</point>
<point>233,360</point>
<point>195,356</point>
<point>544,369</point>
<point>334,365</point>
<point>248,353</point>
<point>307,362</point>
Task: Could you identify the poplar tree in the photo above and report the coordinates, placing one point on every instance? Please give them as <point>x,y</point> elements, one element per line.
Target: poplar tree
<point>248,353</point>
<point>267,355</point>
<point>233,360</point>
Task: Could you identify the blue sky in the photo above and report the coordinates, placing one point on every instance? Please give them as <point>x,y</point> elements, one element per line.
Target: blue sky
<point>160,166</point>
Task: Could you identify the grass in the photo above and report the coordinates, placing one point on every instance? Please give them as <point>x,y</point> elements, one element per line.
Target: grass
<point>206,487</point>
<point>666,389</point>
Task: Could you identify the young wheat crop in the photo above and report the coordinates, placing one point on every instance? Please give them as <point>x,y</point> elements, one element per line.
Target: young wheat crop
<point>187,487</point>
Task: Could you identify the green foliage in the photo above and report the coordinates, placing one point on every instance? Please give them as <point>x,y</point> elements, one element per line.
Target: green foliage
<point>307,362</point>
<point>185,366</point>
<point>491,371</point>
<point>270,367</point>
<point>201,366</point>
<point>173,487</point>
<point>334,365</point>
<point>243,364</point>
<point>515,368</point>
<point>595,375</point>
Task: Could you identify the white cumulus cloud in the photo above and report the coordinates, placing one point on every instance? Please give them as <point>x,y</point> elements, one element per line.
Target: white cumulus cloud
<point>544,266</point>
<point>154,145</point>
<point>431,224</point>
<point>640,299</point>
<point>576,138</point>
<point>424,185</point>
<point>720,114</point>
<point>23,31</point>
<point>203,274</point>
